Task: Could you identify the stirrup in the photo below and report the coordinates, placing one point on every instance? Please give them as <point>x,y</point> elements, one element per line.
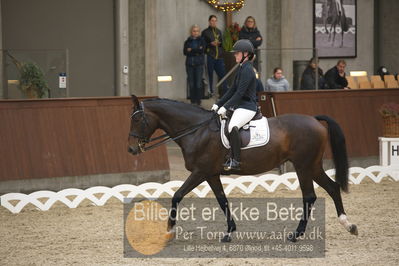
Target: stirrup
<point>231,164</point>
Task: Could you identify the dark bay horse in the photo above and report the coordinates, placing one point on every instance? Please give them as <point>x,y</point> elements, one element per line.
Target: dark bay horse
<point>297,138</point>
<point>334,14</point>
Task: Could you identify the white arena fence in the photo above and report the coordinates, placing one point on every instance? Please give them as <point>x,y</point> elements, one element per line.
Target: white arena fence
<point>246,184</point>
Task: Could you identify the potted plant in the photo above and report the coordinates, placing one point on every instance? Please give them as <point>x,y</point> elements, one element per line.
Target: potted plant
<point>31,81</point>
<point>390,116</point>
<point>230,36</point>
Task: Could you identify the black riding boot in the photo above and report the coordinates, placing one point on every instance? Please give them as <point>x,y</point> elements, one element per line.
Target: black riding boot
<point>235,143</point>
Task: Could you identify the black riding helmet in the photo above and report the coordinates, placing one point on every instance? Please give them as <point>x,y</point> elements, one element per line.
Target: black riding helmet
<point>244,46</point>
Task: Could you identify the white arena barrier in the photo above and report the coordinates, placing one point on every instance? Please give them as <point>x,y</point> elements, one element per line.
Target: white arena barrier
<point>269,182</point>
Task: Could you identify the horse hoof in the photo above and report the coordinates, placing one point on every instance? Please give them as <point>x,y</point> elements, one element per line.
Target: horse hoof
<point>170,235</point>
<point>353,229</point>
<point>226,239</point>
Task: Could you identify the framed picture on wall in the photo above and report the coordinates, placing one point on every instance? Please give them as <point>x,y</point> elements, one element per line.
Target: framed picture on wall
<point>334,28</point>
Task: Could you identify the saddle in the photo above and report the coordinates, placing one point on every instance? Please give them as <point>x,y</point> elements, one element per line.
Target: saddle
<point>253,134</point>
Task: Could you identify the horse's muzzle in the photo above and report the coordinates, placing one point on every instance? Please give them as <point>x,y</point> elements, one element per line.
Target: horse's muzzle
<point>133,150</point>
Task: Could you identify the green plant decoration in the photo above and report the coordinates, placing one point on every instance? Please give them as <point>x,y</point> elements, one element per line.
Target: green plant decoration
<point>227,41</point>
<point>230,36</point>
<point>32,81</point>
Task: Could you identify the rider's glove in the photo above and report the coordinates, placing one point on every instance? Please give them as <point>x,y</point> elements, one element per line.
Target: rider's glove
<point>214,108</point>
<point>222,111</point>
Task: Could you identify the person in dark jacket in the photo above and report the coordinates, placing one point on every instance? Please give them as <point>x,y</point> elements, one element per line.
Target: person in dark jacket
<point>259,85</point>
<point>308,80</point>
<point>335,77</point>
<point>214,50</point>
<point>250,32</point>
<point>194,48</point>
<point>241,97</point>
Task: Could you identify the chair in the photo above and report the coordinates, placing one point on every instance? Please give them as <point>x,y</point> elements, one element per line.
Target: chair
<point>392,84</point>
<point>375,78</point>
<point>365,84</point>
<point>362,78</point>
<point>378,84</point>
<point>389,78</point>
<point>352,82</point>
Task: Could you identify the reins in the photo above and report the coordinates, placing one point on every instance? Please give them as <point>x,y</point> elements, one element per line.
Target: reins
<point>166,138</point>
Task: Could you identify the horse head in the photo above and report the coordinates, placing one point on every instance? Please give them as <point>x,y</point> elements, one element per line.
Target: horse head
<point>142,126</point>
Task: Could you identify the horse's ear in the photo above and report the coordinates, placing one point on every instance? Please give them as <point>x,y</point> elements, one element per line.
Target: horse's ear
<point>135,101</point>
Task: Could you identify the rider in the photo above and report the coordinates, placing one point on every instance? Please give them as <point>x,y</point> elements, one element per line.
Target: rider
<point>241,97</point>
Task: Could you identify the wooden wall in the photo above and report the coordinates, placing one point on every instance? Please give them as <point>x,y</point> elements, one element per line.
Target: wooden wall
<point>356,111</point>
<point>85,136</point>
<point>69,137</point>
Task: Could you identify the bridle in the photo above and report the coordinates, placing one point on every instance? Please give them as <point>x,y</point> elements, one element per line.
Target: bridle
<point>142,139</point>
<point>165,138</point>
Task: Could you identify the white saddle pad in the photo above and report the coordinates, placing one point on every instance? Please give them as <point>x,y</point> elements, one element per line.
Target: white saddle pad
<point>259,130</point>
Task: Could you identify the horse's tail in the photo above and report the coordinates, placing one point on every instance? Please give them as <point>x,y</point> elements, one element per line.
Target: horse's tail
<point>338,148</point>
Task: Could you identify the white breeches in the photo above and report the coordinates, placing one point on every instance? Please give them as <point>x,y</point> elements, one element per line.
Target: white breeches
<point>240,117</point>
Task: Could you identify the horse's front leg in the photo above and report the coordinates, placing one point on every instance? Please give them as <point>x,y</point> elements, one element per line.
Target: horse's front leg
<point>333,37</point>
<point>217,188</point>
<point>192,182</point>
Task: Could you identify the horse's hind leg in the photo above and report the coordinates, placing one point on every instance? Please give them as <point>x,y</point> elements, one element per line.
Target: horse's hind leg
<point>333,190</point>
<point>333,38</point>
<point>308,198</point>
<point>217,188</point>
<point>342,39</point>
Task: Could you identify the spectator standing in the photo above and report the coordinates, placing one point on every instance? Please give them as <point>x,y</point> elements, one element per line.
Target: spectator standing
<point>308,80</point>
<point>277,82</point>
<point>335,77</point>
<point>214,50</point>
<point>194,48</point>
<point>250,32</point>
